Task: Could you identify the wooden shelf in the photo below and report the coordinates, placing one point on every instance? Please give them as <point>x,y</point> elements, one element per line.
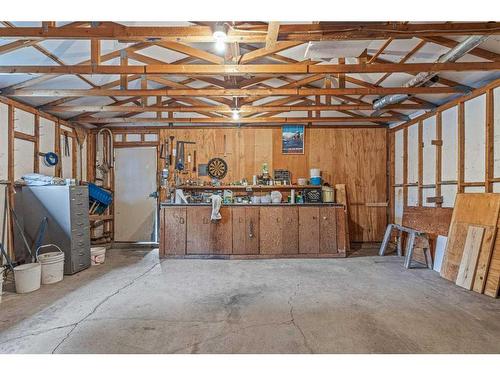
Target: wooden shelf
<point>252,187</point>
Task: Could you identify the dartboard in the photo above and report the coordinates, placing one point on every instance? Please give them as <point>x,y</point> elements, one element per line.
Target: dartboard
<point>217,168</point>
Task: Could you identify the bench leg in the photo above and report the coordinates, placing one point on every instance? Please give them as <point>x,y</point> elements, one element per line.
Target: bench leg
<point>427,254</point>
<point>409,249</point>
<point>385,241</point>
<point>398,244</point>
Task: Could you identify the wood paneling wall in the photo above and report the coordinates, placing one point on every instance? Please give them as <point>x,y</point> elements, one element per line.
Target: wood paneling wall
<point>355,157</point>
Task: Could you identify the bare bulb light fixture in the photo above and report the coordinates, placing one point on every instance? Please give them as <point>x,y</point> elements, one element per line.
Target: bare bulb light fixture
<point>220,37</point>
<point>236,114</point>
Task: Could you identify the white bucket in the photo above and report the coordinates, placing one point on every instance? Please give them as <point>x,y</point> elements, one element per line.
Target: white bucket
<point>27,277</point>
<point>315,172</point>
<point>52,265</point>
<point>97,255</point>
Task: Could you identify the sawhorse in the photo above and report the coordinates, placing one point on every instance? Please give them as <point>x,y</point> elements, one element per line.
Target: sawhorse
<point>410,243</point>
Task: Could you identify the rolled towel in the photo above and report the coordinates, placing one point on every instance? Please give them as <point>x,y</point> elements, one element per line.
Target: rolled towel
<point>216,204</point>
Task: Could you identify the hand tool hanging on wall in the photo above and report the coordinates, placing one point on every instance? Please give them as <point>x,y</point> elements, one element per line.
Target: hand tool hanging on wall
<point>180,154</point>
<point>170,156</point>
<point>194,161</point>
<point>66,145</point>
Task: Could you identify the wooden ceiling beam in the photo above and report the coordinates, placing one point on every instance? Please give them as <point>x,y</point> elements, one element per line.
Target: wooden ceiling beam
<point>258,33</point>
<point>250,120</point>
<point>226,109</point>
<point>264,52</point>
<point>273,28</point>
<point>195,69</point>
<point>191,51</point>
<point>190,92</point>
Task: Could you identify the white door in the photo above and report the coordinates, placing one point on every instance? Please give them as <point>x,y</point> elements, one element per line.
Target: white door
<point>135,179</point>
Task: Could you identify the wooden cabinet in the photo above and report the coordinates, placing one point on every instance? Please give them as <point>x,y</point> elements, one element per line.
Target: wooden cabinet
<point>173,233</point>
<point>271,227</point>
<point>254,230</point>
<point>205,236</point>
<point>309,230</point>
<point>279,230</point>
<point>290,231</point>
<point>245,230</point>
<point>328,230</point>
<point>198,230</point>
<point>221,233</point>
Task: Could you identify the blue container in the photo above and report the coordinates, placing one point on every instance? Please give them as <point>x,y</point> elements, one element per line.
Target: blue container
<point>100,195</point>
<point>316,181</point>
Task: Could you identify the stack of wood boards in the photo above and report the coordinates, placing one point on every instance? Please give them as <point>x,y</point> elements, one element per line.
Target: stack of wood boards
<point>472,256</point>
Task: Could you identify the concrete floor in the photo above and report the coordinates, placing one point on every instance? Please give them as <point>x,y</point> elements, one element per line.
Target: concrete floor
<point>137,304</point>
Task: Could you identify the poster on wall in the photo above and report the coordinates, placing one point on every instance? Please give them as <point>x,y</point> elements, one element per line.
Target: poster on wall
<point>292,139</point>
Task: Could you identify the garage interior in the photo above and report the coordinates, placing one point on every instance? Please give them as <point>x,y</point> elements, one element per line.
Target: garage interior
<point>249,187</point>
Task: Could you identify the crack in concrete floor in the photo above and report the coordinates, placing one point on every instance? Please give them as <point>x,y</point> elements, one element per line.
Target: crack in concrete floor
<point>102,302</point>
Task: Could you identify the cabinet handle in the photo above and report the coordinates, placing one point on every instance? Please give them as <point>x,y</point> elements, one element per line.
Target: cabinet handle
<point>240,220</point>
<point>324,217</point>
<point>277,219</point>
<point>181,220</point>
<point>250,229</point>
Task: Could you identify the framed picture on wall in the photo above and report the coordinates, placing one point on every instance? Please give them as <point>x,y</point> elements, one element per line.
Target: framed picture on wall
<point>292,139</point>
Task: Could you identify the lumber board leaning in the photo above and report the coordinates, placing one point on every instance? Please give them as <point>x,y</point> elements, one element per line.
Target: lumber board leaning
<point>484,259</point>
<point>493,277</point>
<point>470,256</point>
<point>480,209</point>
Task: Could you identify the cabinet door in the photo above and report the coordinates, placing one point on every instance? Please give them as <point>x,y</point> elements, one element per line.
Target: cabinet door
<point>342,230</point>
<point>271,227</point>
<point>198,230</point>
<point>251,230</point>
<point>328,230</point>
<point>239,233</point>
<point>309,230</point>
<point>245,230</point>
<point>221,233</point>
<point>290,230</point>
<point>173,231</point>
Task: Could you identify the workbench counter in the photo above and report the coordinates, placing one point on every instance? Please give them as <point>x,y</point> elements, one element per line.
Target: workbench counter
<point>252,204</point>
<point>254,231</point>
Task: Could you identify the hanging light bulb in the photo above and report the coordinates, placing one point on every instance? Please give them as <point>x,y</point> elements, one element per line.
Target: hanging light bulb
<point>220,45</point>
<point>236,114</point>
<point>220,37</point>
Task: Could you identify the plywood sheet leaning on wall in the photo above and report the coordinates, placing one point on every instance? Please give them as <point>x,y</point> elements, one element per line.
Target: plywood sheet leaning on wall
<point>478,209</point>
<point>467,269</point>
<point>493,276</point>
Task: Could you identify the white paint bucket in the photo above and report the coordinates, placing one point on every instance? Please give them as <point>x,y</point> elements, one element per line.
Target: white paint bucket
<point>27,277</point>
<point>315,172</point>
<point>52,264</point>
<point>97,255</point>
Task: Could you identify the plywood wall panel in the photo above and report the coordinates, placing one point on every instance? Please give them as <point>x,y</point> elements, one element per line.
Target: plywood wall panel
<point>475,128</point>
<point>355,157</point>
